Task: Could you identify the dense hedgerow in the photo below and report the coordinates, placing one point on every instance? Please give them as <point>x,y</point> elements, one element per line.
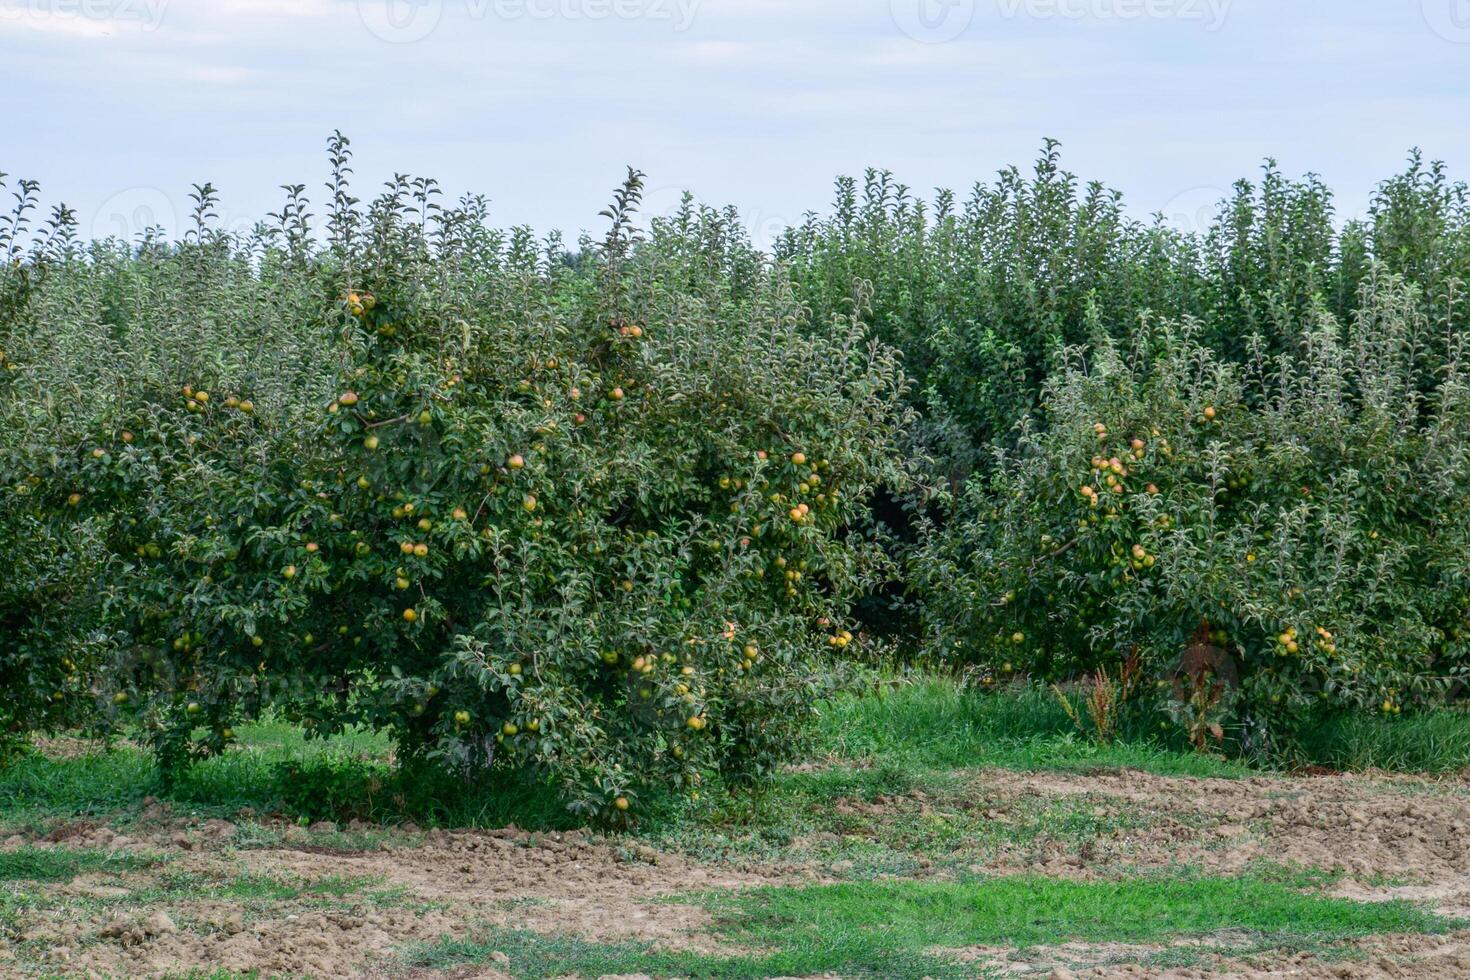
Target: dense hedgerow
<point>1008,305</point>
<point>89,333</point>
<point>985,296</point>
<point>603,513</point>
<point>599,519</point>
<point>1289,533</point>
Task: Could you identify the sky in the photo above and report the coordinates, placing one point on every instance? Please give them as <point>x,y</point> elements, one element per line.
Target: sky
<point>119,106</point>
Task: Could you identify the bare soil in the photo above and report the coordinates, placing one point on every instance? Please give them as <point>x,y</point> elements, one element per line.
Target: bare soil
<point>1367,828</point>
<point>349,913</point>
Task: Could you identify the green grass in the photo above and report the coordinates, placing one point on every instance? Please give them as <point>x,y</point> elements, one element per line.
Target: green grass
<point>248,887</point>
<point>97,782</point>
<point>274,768</point>
<point>924,734</point>
<point>900,929</point>
<point>894,787</point>
<point>1436,742</point>
<point>24,873</point>
<point>536,957</point>
<point>104,781</point>
<point>63,864</point>
<point>935,724</point>
<point>1032,911</point>
<point>915,746</point>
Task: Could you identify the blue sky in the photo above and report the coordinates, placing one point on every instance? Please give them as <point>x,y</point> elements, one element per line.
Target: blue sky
<point>118,105</point>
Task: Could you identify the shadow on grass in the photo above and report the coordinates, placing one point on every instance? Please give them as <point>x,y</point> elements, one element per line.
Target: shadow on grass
<point>886,741</point>
<point>274,769</point>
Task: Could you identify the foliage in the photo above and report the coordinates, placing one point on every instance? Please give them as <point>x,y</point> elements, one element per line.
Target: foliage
<point>495,495</point>
<point>601,522</point>
<point>1305,507</point>
<point>985,296</point>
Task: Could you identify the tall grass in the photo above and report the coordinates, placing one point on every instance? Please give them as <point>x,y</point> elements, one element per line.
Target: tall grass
<point>1426,742</point>
<point>935,723</point>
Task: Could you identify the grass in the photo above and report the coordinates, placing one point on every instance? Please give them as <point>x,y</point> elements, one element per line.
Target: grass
<point>862,824</point>
<point>935,724</point>
<point>922,735</point>
<point>191,896</point>
<point>901,929</point>
<point>248,892</point>
<point>24,871</point>
<point>248,887</point>
<point>1437,742</point>
<point>533,957</point>
<point>914,747</point>
<point>98,782</point>
<point>1028,911</point>
<point>63,864</point>
<point>274,768</point>
<point>896,786</point>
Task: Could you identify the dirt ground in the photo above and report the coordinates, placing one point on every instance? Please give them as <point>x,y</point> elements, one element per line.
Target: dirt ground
<point>230,897</point>
<point>1383,827</point>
